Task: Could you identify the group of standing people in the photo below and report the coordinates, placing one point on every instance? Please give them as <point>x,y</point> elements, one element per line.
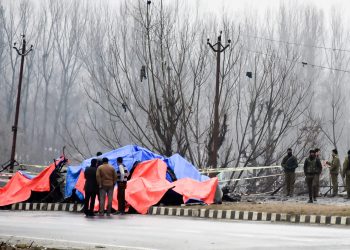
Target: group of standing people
<point>101,179</point>
<point>313,170</point>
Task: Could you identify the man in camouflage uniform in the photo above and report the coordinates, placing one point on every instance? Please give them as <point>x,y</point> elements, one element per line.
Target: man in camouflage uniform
<point>310,170</point>
<point>289,164</point>
<point>346,173</point>
<point>334,171</point>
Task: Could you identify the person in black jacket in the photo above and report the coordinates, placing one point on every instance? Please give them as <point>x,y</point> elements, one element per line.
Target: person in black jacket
<point>91,188</point>
<point>289,164</point>
<point>98,163</point>
<point>316,182</point>
<point>99,159</point>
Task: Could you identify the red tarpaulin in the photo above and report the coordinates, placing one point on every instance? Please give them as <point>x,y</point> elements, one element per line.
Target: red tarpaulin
<point>19,188</point>
<point>192,189</point>
<point>148,185</point>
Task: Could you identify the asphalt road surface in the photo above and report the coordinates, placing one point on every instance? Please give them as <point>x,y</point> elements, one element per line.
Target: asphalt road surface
<point>71,230</point>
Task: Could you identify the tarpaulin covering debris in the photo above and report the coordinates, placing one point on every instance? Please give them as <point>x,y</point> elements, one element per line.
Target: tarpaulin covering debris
<point>131,154</point>
<point>148,185</point>
<point>151,178</point>
<point>20,187</point>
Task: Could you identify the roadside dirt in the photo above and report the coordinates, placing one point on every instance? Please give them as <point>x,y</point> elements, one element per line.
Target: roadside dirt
<point>296,205</point>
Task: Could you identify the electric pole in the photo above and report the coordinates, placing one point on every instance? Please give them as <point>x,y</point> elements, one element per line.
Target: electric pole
<point>218,48</point>
<point>22,52</point>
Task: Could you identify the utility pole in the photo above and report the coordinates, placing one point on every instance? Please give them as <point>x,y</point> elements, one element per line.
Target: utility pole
<point>214,146</point>
<point>22,52</point>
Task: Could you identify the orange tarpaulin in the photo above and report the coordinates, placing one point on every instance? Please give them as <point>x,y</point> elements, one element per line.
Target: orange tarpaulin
<point>192,189</point>
<point>19,188</point>
<point>148,185</point>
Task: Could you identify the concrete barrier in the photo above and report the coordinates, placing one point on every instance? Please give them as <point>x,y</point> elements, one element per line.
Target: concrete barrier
<point>250,216</point>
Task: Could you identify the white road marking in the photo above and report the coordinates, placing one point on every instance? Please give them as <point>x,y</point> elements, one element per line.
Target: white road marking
<point>77,242</point>
<point>187,231</point>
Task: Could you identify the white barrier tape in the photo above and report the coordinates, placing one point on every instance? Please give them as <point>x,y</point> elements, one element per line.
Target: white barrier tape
<point>12,174</point>
<point>33,166</point>
<point>6,174</point>
<point>4,181</point>
<point>209,170</point>
<point>257,177</point>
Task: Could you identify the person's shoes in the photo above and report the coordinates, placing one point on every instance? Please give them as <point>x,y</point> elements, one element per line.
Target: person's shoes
<point>100,214</point>
<point>119,213</point>
<point>315,199</point>
<point>108,214</point>
<point>92,214</point>
<point>310,201</point>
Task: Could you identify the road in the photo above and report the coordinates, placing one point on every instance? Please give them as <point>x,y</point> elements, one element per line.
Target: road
<point>140,232</point>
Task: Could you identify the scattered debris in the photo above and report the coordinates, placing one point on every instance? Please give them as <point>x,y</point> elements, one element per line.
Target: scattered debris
<point>230,195</point>
<point>193,204</point>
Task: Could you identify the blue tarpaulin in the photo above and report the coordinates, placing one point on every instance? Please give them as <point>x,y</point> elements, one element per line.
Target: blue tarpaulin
<point>130,154</point>
<point>183,169</point>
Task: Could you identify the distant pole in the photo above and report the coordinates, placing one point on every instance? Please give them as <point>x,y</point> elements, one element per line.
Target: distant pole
<point>213,156</point>
<point>22,52</point>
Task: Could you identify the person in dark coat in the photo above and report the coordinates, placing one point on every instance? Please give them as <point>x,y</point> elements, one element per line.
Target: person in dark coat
<point>318,173</point>
<point>289,164</point>
<point>98,163</point>
<point>99,159</point>
<point>91,188</point>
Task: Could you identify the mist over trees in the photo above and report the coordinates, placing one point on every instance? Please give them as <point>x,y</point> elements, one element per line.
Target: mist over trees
<point>102,76</point>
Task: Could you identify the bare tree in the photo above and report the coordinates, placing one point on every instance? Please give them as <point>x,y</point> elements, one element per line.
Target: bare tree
<point>68,28</point>
<point>154,111</point>
<point>333,85</point>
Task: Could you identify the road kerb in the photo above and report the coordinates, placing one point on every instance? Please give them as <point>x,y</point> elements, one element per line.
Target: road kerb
<point>201,213</point>
<point>250,216</point>
<point>44,207</point>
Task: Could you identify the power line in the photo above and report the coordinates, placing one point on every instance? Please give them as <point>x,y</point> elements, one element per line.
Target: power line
<point>296,61</point>
<point>298,44</point>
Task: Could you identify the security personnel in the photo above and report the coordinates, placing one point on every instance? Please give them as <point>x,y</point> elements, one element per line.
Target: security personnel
<point>334,171</point>
<point>310,170</point>
<point>346,173</point>
<point>318,173</point>
<point>289,164</point>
